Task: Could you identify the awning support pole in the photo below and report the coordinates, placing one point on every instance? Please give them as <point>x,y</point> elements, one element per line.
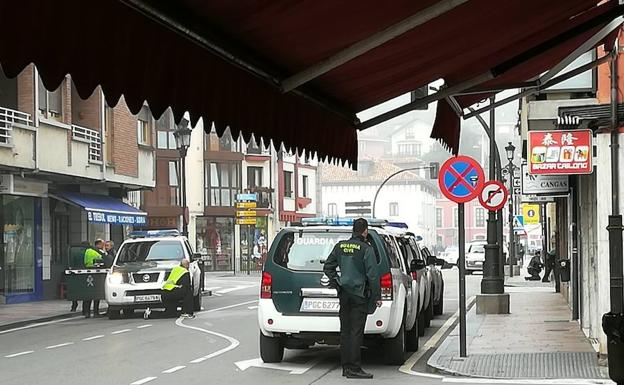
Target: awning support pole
<point>371,42</point>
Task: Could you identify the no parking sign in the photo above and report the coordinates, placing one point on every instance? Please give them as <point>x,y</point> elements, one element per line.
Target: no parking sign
<point>461,179</point>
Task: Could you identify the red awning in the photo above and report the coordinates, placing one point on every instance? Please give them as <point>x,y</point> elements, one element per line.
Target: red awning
<point>225,60</point>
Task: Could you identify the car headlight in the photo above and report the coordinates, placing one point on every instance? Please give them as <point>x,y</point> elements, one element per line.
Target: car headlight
<point>115,278</point>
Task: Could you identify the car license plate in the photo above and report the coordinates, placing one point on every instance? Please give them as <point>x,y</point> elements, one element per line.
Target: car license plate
<point>320,305</point>
<point>147,298</point>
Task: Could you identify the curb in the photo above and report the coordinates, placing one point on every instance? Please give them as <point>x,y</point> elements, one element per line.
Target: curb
<point>19,324</point>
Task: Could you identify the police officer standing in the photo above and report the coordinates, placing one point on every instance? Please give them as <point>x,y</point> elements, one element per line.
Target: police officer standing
<point>92,256</point>
<point>358,289</point>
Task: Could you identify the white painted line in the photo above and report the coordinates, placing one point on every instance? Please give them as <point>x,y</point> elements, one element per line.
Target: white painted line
<point>217,295</point>
<point>143,381</point>
<point>121,331</point>
<point>19,354</point>
<point>143,326</point>
<point>59,345</point>
<point>93,338</point>
<point>293,368</point>
<point>212,288</point>
<point>432,342</point>
<point>228,307</point>
<point>39,324</point>
<point>252,307</point>
<point>231,289</point>
<point>174,369</point>
<point>198,360</point>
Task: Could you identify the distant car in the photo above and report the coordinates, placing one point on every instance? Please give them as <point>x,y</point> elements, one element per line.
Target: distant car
<point>475,256</point>
<point>437,281</point>
<point>451,255</point>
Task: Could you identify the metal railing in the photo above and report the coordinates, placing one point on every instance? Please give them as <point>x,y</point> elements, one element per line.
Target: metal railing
<point>92,137</point>
<point>7,118</point>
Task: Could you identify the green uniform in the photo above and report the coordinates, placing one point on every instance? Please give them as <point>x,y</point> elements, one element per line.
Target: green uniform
<point>90,256</point>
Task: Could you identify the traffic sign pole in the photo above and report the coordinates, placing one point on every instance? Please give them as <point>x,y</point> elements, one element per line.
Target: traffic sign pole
<point>462,280</point>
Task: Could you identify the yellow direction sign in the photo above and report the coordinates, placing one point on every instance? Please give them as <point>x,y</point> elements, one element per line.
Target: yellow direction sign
<point>246,205</point>
<point>246,221</point>
<point>246,213</point>
<point>531,214</point>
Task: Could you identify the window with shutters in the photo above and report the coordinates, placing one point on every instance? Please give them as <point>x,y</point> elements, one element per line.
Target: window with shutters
<point>50,102</point>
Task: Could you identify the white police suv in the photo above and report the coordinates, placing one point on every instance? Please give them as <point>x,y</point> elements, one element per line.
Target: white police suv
<point>297,309</point>
<point>142,265</point>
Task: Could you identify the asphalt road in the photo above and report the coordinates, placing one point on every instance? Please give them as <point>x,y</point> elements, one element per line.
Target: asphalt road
<point>219,346</point>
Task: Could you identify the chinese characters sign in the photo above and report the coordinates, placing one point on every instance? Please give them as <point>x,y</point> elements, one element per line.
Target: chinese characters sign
<point>560,152</point>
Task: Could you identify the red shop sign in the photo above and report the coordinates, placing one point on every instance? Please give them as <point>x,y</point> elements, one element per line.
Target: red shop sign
<point>560,152</point>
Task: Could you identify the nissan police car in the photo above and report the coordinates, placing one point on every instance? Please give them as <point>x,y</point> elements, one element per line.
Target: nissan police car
<point>141,267</point>
<point>297,309</point>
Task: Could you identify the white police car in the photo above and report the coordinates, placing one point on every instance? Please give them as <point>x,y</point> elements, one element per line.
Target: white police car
<point>142,265</point>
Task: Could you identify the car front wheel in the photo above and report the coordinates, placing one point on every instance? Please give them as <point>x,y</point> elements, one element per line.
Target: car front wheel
<point>271,349</point>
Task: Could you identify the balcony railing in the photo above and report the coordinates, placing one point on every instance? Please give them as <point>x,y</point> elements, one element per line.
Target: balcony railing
<point>93,138</point>
<point>8,117</point>
<point>264,196</point>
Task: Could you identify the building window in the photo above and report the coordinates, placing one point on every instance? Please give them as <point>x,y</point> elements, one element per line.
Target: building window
<point>254,177</point>
<point>410,149</point>
<point>144,131</point>
<point>304,186</point>
<point>394,209</point>
<point>164,132</point>
<point>222,183</point>
<point>332,210</point>
<point>215,241</point>
<point>50,102</point>
<point>455,220</point>
<point>409,133</point>
<point>173,183</point>
<point>288,187</point>
<point>479,217</point>
<point>438,217</point>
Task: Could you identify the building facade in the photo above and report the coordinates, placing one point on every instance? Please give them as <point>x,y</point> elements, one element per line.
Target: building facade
<point>67,165</point>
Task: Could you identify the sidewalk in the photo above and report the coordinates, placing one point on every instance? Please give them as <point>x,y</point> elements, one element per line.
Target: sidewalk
<point>21,314</point>
<point>536,341</point>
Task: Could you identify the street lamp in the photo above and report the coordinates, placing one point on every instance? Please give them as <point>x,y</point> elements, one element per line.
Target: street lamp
<point>182,136</point>
<point>510,148</point>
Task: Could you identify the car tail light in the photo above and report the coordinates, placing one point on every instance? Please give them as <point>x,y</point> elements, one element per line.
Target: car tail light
<point>415,275</point>
<point>386,286</point>
<point>266,285</point>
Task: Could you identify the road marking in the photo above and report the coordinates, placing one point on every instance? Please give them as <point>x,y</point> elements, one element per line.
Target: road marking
<point>121,331</point>
<point>93,338</point>
<point>212,288</point>
<point>252,307</point>
<point>144,326</point>
<point>431,343</point>
<point>19,354</point>
<point>233,341</point>
<point>293,368</point>
<point>39,324</point>
<point>174,369</point>
<point>231,289</point>
<point>59,345</point>
<point>143,381</point>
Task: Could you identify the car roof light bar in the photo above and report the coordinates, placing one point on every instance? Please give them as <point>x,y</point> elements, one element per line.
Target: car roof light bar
<point>154,233</point>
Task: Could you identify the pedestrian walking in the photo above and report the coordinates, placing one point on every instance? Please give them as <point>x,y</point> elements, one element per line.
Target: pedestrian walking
<point>177,288</point>
<point>92,256</point>
<point>359,293</point>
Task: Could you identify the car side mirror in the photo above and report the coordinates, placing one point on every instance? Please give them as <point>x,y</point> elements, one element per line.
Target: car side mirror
<point>417,264</point>
<point>196,257</point>
<point>432,260</point>
<point>440,262</point>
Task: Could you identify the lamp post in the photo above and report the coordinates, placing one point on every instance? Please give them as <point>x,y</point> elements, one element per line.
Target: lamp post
<point>182,136</point>
<point>509,149</point>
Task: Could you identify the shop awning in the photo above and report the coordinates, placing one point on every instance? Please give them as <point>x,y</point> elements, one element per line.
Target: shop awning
<point>104,209</point>
<point>295,72</point>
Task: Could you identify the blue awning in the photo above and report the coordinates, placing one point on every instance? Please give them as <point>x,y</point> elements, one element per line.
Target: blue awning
<point>104,209</point>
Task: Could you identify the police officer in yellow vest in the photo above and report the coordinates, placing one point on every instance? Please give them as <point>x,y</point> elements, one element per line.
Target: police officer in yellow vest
<point>92,256</point>
<point>178,288</point>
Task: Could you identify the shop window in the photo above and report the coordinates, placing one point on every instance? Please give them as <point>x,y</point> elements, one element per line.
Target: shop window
<point>222,183</point>
<point>17,218</point>
<point>288,187</point>
<point>50,102</point>
<point>215,240</point>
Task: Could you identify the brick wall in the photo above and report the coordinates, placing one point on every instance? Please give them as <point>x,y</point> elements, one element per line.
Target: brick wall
<point>26,90</point>
<point>126,151</point>
<point>86,113</point>
<point>66,91</point>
